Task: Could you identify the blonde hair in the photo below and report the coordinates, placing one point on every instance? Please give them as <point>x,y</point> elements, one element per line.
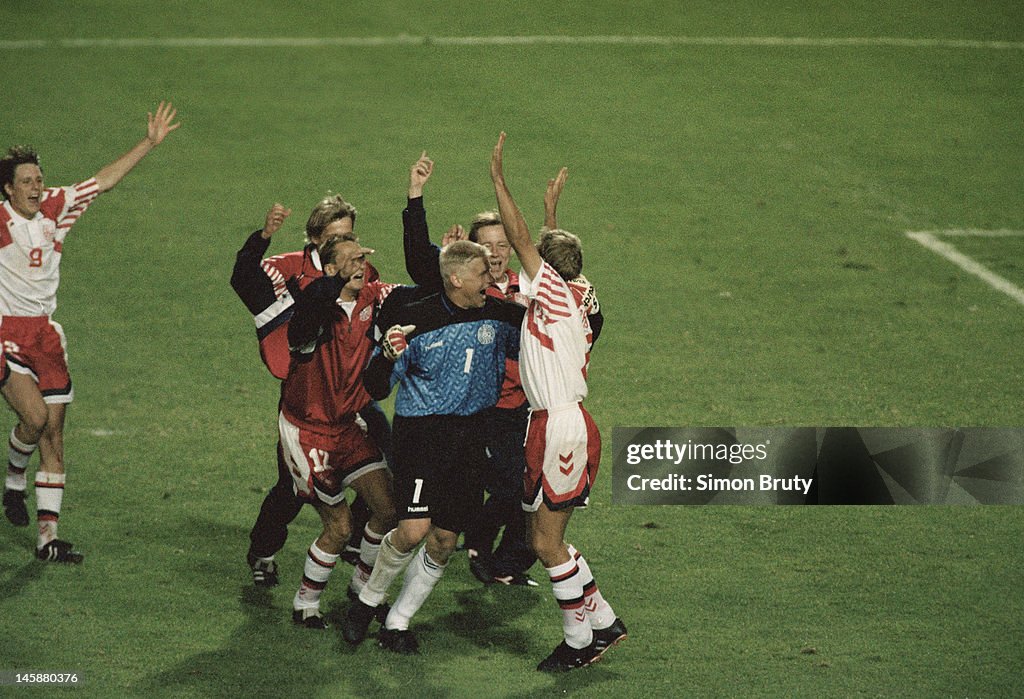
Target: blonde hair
<point>563,251</point>
<point>455,256</point>
<point>483,220</point>
<point>328,210</point>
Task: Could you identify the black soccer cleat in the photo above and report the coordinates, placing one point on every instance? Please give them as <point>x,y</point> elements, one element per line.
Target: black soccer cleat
<point>58,551</point>
<point>350,555</point>
<point>565,658</point>
<point>309,618</point>
<point>605,638</point>
<point>264,573</point>
<point>357,621</point>
<point>14,507</point>
<point>481,570</point>
<point>521,579</point>
<point>399,641</point>
<point>382,609</point>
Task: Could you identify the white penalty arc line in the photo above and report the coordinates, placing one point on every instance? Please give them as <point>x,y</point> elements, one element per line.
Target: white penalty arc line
<point>969,265</point>
<point>529,40</point>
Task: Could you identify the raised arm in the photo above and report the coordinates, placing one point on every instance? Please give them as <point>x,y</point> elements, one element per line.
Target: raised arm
<point>160,124</point>
<point>512,217</point>
<point>551,195</point>
<point>248,278</point>
<point>420,254</point>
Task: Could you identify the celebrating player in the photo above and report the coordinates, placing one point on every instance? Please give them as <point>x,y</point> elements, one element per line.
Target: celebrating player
<point>506,422</point>
<point>34,221</point>
<point>267,287</point>
<point>447,353</point>
<point>323,443</point>
<point>563,446</point>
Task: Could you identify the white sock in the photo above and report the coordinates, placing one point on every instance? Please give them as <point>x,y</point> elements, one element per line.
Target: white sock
<point>49,497</point>
<point>386,568</point>
<point>567,586</point>
<point>420,578</point>
<point>598,610</point>
<point>18,454</point>
<point>369,548</point>
<point>315,573</point>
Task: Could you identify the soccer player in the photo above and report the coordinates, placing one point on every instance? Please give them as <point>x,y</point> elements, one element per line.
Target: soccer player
<point>447,353</point>
<point>34,221</point>
<point>510,561</point>
<point>506,421</point>
<point>323,443</point>
<point>267,288</point>
<point>563,446</point>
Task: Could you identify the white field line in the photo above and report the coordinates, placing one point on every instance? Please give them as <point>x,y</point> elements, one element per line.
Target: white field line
<point>930,241</point>
<point>534,40</point>
<point>978,233</point>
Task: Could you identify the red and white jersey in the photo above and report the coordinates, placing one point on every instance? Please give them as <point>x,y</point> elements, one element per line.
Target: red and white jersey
<point>30,249</point>
<point>556,339</point>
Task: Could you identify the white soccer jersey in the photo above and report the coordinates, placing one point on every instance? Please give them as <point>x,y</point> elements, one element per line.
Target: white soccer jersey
<point>30,249</point>
<point>556,339</point>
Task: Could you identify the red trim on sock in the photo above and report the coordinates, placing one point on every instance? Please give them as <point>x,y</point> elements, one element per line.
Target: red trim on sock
<point>318,561</point>
<point>313,584</point>
<point>576,603</point>
<point>23,453</point>
<point>566,576</point>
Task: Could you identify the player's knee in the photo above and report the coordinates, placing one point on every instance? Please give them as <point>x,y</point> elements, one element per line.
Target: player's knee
<point>441,544</point>
<point>32,424</point>
<point>548,549</point>
<point>336,533</point>
<point>409,533</point>
<point>383,517</point>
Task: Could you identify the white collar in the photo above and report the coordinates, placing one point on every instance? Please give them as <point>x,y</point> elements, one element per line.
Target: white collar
<point>18,218</point>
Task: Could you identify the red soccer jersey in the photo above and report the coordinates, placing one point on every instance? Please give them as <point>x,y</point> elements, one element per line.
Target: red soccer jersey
<point>326,387</point>
<point>512,395</point>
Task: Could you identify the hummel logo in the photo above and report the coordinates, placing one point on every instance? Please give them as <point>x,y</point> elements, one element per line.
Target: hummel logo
<point>566,460</point>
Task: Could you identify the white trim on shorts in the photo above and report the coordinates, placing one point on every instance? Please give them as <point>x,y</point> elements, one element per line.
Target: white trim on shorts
<point>290,447</point>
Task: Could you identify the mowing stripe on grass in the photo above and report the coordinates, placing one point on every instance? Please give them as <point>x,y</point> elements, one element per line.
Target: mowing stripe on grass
<point>598,40</point>
<point>968,264</point>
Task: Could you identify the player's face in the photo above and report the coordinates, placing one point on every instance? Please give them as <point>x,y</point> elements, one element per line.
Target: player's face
<point>27,191</point>
<point>341,228</point>
<point>493,238</point>
<point>349,261</point>
<point>475,278</point>
<point>357,281</point>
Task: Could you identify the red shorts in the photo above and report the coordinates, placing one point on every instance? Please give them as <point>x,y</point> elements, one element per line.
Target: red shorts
<point>563,451</point>
<point>35,345</point>
<point>323,465</point>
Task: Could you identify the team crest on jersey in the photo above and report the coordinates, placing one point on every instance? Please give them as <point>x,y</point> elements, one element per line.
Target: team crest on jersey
<point>49,230</point>
<point>485,334</point>
<point>366,314</point>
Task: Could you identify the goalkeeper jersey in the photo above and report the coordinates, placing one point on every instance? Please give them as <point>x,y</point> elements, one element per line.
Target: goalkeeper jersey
<point>455,361</point>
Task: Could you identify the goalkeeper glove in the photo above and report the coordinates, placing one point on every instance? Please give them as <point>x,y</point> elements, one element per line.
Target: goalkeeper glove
<point>394,341</point>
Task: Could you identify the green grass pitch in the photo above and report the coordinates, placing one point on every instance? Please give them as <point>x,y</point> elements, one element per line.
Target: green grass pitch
<point>743,209</point>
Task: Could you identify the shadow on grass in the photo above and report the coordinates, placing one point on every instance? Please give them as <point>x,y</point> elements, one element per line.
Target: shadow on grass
<point>266,656</point>
<point>485,617</point>
<point>14,579</point>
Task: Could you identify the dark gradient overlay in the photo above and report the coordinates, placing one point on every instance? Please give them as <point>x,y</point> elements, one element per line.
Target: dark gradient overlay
<point>819,466</point>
